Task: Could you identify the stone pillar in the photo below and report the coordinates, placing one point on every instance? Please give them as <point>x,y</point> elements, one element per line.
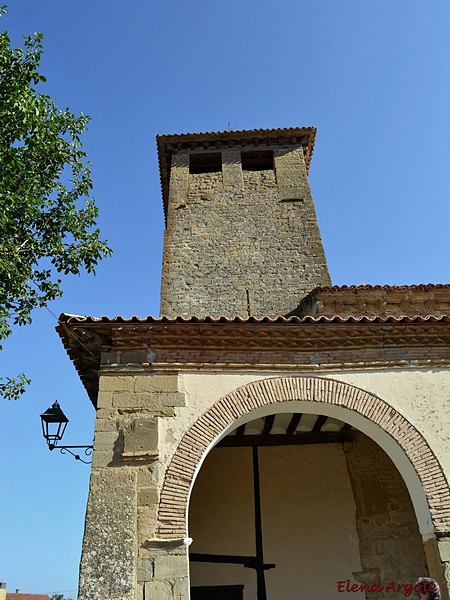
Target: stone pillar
<point>107,570</point>
<point>179,180</point>
<point>293,188</point>
<point>121,557</point>
<point>438,559</point>
<point>163,573</point>
<point>179,183</point>
<point>391,547</point>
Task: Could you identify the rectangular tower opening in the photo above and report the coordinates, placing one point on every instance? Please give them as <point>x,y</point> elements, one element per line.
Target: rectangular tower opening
<point>208,162</point>
<point>257,161</point>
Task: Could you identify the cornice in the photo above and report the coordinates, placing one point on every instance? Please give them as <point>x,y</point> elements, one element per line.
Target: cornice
<point>371,301</point>
<point>253,345</point>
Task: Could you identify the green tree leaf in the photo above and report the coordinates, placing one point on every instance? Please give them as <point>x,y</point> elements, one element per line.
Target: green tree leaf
<point>47,217</point>
<point>12,389</point>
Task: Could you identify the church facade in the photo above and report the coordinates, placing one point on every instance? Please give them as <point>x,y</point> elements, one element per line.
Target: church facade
<point>270,436</point>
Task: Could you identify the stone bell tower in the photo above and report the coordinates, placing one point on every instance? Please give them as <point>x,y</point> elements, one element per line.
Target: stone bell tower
<point>242,236</point>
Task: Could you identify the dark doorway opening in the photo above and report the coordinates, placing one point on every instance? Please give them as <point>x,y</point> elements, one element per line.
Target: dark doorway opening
<point>218,592</point>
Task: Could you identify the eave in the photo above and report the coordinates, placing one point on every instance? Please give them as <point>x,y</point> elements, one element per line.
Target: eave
<point>282,344</point>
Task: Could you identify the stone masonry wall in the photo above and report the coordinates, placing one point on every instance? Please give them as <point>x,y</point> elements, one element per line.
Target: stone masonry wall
<point>240,242</point>
<point>121,558</point>
<point>391,546</point>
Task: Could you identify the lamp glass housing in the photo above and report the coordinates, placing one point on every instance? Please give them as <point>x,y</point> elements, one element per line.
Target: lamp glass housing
<point>54,423</point>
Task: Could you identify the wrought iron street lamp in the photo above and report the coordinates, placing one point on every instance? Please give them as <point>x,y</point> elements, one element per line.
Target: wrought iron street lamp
<point>54,423</point>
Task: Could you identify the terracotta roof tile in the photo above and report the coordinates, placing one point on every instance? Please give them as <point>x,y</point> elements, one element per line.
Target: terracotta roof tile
<point>238,132</point>
<point>335,318</point>
<point>14,596</point>
<point>364,286</point>
<point>74,319</point>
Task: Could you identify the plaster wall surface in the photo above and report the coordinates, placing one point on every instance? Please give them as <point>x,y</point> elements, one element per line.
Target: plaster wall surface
<point>308,520</point>
<point>421,396</point>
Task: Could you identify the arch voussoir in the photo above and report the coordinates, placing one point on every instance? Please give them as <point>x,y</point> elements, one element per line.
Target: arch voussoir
<point>224,412</point>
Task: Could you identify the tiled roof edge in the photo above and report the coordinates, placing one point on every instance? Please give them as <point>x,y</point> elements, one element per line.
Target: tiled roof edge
<point>233,132</point>
<point>418,286</point>
<point>87,320</point>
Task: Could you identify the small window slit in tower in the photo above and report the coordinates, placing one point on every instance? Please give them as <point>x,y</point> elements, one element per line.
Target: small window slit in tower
<point>257,161</point>
<point>205,162</point>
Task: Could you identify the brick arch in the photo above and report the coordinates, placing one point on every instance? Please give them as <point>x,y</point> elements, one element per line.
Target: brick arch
<point>181,472</point>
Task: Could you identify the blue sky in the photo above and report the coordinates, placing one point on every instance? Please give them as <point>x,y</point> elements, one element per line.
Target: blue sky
<point>373,77</point>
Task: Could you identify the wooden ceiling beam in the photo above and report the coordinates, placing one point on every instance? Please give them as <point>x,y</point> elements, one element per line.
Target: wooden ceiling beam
<point>319,422</point>
<point>293,423</point>
<point>296,439</point>
<point>268,424</point>
<point>240,430</point>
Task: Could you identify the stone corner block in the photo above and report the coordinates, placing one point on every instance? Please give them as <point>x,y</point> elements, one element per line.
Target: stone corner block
<point>113,383</point>
<point>102,458</point>
<point>145,569</point>
<point>444,550</point>
<point>156,383</point>
<point>171,566</point>
<point>104,399</point>
<point>158,590</point>
<point>172,399</point>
